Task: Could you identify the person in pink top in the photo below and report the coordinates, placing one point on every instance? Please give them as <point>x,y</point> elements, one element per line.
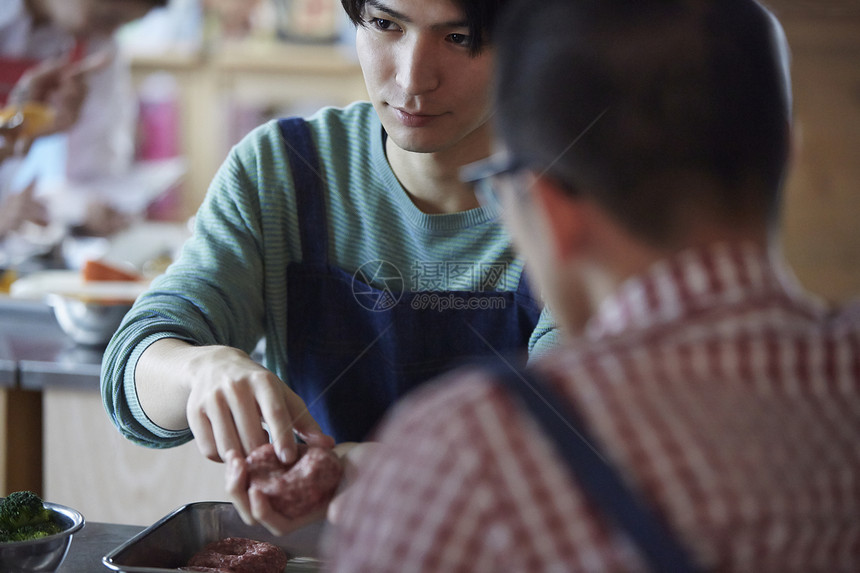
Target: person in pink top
<point>62,54</point>
<point>704,413</point>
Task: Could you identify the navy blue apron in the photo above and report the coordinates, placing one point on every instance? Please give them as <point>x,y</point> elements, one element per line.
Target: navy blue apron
<point>597,478</point>
<point>353,349</point>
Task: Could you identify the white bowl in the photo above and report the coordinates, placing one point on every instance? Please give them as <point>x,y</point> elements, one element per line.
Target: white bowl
<point>90,323</point>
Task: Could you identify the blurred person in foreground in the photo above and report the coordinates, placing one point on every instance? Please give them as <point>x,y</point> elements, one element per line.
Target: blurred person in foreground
<point>643,150</point>
<point>62,54</point>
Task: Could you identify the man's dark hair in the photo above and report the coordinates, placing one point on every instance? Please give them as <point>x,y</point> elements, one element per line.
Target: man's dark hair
<point>480,15</point>
<point>626,100</point>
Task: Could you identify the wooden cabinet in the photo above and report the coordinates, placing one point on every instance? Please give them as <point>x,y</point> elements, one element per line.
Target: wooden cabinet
<point>88,465</point>
<point>20,440</point>
<point>821,217</point>
<point>282,77</point>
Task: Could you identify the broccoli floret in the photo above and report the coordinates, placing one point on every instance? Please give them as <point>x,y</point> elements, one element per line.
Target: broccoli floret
<point>34,531</point>
<point>22,508</point>
<point>24,516</point>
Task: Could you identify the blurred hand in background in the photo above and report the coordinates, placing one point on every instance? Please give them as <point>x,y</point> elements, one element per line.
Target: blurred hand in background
<point>21,208</point>
<point>47,99</point>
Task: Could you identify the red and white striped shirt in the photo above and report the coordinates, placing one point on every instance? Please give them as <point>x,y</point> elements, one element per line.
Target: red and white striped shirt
<point>726,396</point>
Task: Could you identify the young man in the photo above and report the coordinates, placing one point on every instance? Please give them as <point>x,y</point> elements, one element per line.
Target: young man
<point>645,146</point>
<point>349,243</point>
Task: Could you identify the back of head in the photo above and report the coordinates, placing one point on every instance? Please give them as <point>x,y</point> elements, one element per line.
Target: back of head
<point>655,108</point>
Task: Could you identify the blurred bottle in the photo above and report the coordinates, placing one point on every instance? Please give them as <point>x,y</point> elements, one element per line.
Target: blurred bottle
<point>159,133</point>
<point>159,117</point>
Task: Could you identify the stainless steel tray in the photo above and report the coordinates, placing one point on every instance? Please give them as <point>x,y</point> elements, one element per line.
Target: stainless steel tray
<point>170,542</point>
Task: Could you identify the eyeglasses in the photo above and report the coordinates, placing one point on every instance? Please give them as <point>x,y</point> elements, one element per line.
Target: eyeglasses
<point>492,174</point>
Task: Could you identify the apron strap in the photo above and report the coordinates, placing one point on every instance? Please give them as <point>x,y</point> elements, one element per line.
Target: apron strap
<point>308,185</point>
<point>601,483</point>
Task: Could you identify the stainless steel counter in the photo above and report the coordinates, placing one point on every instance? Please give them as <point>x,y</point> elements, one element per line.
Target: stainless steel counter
<point>35,354</point>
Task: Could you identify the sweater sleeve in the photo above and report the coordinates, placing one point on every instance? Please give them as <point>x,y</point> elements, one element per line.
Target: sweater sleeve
<point>212,294</point>
<point>545,337</point>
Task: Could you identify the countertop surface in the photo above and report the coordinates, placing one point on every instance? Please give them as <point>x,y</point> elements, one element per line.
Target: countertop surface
<point>35,354</point>
<point>92,543</point>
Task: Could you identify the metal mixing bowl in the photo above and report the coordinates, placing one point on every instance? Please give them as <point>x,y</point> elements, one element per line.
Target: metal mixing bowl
<point>86,322</point>
<point>46,553</point>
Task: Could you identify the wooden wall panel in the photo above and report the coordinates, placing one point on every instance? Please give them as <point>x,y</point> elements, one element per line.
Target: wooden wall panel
<point>91,467</point>
<point>20,441</point>
<point>822,203</point>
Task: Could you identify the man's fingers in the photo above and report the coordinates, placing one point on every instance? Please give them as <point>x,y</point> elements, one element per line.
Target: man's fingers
<point>223,426</point>
<point>264,513</point>
<point>246,416</point>
<point>272,396</point>
<point>304,424</point>
<point>352,455</point>
<point>237,486</point>
<point>213,427</point>
<point>286,414</point>
<point>334,513</point>
<point>201,429</point>
<point>276,523</point>
<point>316,438</point>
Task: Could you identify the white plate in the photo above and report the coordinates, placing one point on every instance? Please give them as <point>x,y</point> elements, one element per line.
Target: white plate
<point>38,285</point>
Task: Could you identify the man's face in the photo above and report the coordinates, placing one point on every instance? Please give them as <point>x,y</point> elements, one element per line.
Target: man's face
<point>570,286</point>
<point>523,223</point>
<point>429,91</point>
<point>95,17</point>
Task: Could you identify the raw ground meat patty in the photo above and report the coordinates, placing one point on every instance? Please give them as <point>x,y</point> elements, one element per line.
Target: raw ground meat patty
<point>238,555</point>
<point>297,490</point>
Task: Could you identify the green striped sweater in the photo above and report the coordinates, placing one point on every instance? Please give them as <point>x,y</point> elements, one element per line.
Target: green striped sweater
<point>228,286</point>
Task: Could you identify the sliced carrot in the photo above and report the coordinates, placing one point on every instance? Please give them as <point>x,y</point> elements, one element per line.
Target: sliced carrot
<point>101,271</point>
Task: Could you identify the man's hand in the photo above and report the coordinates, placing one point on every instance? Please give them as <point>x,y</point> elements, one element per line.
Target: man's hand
<point>353,455</point>
<point>231,397</point>
<point>254,507</point>
<point>252,504</point>
<point>224,397</point>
